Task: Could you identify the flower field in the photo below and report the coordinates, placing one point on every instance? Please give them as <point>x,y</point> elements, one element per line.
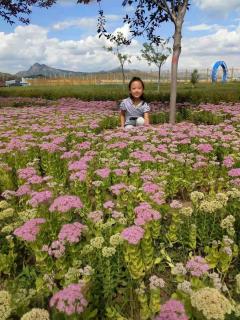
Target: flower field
<point>97,222</point>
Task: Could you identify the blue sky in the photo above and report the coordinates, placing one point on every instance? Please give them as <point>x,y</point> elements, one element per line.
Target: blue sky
<point>64,36</point>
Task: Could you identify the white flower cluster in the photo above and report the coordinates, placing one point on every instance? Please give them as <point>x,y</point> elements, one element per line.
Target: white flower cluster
<point>36,314</point>
<point>156,282</point>
<point>217,309</point>
<point>5,305</point>
<point>196,196</point>
<point>179,269</point>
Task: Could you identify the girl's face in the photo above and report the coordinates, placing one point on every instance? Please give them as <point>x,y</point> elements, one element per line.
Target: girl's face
<point>136,89</point>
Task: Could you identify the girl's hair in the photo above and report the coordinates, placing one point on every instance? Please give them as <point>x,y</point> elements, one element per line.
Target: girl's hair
<point>130,84</point>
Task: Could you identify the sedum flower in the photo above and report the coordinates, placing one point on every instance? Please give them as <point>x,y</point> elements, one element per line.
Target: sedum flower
<point>36,314</point>
<point>116,240</point>
<point>156,282</point>
<point>30,229</point>
<point>196,196</point>
<point>65,203</point>
<point>175,204</point>
<point>186,211</point>
<point>27,214</point>
<point>210,206</point>
<point>6,213</point>
<point>4,204</point>
<point>197,266</point>
<point>212,304</point>
<point>97,242</point>
<point>227,222</point>
<point>70,300</point>
<point>179,269</point>
<point>234,193</point>
<point>5,305</point>
<point>222,197</point>
<point>108,251</point>
<point>216,280</point>
<point>172,310</point>
<point>185,287</point>
<point>133,234</point>
<point>87,249</point>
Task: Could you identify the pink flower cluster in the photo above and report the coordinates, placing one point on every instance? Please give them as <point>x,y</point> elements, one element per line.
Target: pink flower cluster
<point>118,145</point>
<point>205,147</point>
<point>66,203</point>
<point>142,156</point>
<point>24,189</point>
<point>70,154</point>
<point>35,179</point>
<point>175,204</point>
<point>197,266</point>
<point>150,187</point>
<point>56,249</point>
<point>145,213</point>
<point>70,300</point>
<point>234,172</point>
<point>40,197</point>
<point>172,310</point>
<point>79,175</point>
<point>29,230</point>
<point>51,147</point>
<point>83,145</point>
<point>26,173</point>
<point>78,165</point>
<point>95,216</point>
<point>71,232</point>
<point>103,173</point>
<point>228,162</point>
<point>109,205</point>
<point>133,234</point>
<point>117,188</point>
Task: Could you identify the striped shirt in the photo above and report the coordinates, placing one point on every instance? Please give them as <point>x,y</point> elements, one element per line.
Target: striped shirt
<point>132,111</point>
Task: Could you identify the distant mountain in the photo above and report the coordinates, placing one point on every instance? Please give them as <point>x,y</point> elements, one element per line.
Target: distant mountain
<point>43,70</point>
<point>6,76</point>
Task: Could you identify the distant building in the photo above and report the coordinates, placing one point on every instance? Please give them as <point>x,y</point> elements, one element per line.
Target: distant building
<point>17,83</point>
<point>25,83</point>
<point>11,83</point>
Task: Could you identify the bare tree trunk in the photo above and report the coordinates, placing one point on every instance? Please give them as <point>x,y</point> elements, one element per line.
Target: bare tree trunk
<point>159,75</point>
<point>174,68</point>
<point>123,74</point>
<point>178,22</point>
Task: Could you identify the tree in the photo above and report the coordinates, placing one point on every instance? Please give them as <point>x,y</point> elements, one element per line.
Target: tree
<point>122,57</point>
<point>195,77</point>
<point>156,55</point>
<point>147,18</point>
<point>20,10</point>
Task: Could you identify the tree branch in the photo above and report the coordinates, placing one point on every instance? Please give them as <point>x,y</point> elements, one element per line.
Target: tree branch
<point>165,8</point>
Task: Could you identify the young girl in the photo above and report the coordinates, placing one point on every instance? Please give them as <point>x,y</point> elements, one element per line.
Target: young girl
<point>134,110</point>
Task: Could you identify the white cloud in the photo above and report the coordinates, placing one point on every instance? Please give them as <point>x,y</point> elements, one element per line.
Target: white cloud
<point>85,22</point>
<point>32,43</point>
<point>205,50</point>
<point>77,23</point>
<point>204,27</point>
<point>218,6</point>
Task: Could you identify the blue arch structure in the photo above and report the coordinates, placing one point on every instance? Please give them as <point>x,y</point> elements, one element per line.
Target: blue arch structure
<point>215,69</point>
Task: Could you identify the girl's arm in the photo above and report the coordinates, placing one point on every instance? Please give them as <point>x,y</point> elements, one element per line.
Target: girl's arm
<point>122,118</point>
<point>146,118</point>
